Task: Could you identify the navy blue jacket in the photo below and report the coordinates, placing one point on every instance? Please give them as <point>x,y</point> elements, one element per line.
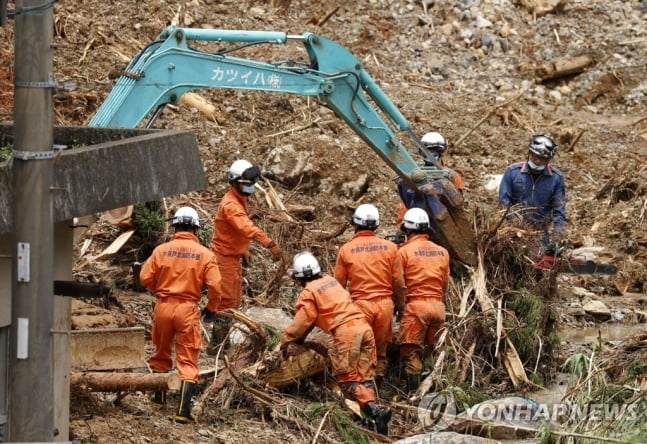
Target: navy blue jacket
<point>543,195</point>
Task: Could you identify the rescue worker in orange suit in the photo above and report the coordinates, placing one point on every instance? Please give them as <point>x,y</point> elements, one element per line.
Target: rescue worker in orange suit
<point>426,274</point>
<point>233,230</point>
<point>176,272</point>
<point>370,267</point>
<point>436,146</point>
<point>325,303</point>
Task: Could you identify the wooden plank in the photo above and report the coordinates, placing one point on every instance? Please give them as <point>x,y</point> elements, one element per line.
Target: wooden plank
<point>115,246</point>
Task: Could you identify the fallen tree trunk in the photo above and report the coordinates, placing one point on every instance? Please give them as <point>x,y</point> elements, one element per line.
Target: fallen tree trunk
<point>126,382</point>
<point>295,368</point>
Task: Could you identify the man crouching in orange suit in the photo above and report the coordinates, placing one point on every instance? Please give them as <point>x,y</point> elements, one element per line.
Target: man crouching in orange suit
<point>325,303</point>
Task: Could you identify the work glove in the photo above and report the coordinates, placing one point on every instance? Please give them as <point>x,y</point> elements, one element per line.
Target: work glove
<point>208,315</point>
<point>277,253</point>
<point>556,245</point>
<point>247,259</point>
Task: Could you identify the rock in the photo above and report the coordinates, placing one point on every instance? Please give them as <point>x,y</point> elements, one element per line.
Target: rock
<point>492,182</point>
<point>598,309</point>
<point>273,317</point>
<point>482,22</point>
<point>291,167</point>
<point>506,418</point>
<point>574,309</point>
<point>445,438</point>
<point>581,293</point>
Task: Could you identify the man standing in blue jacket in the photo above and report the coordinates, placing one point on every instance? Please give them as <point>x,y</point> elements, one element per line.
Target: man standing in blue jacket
<point>537,189</point>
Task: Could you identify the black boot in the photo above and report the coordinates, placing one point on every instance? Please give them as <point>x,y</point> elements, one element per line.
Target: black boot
<point>184,411</point>
<point>219,332</point>
<point>413,381</point>
<point>159,397</point>
<point>380,416</point>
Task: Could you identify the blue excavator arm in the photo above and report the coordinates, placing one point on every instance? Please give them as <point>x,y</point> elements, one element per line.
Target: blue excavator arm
<point>168,67</point>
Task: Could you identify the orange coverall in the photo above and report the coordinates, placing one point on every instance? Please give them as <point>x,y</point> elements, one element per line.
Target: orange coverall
<point>426,273</point>
<point>175,272</point>
<point>370,267</point>
<point>326,304</point>
<point>233,230</point>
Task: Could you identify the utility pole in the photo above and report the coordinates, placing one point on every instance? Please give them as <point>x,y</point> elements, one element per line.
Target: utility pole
<point>31,388</point>
<point>3,12</point>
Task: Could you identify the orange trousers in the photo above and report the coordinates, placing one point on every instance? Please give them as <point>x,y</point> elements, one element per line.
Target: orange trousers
<point>379,314</point>
<point>422,320</point>
<point>178,321</point>
<point>231,275</point>
<point>352,358</point>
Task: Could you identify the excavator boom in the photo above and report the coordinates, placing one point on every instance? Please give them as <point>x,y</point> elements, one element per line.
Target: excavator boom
<point>168,67</point>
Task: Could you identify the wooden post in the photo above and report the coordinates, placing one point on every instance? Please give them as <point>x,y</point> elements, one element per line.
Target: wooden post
<point>31,350</point>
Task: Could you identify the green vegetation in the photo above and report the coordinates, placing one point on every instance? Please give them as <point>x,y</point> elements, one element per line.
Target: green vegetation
<point>5,152</point>
<point>577,365</point>
<point>346,428</point>
<point>149,222</point>
<point>532,332</point>
<point>205,234</point>
<point>607,393</point>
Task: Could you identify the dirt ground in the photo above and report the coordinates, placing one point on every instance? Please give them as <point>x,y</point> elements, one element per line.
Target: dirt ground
<point>469,69</point>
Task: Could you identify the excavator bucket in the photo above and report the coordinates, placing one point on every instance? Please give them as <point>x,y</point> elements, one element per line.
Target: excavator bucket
<point>453,228</point>
<point>456,229</point>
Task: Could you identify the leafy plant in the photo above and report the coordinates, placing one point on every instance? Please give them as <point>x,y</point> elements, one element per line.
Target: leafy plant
<point>149,221</point>
<point>5,152</point>
<point>346,427</point>
<point>532,330</point>
<point>577,365</point>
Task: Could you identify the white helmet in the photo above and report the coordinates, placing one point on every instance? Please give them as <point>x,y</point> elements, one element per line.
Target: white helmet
<point>305,266</point>
<point>543,146</point>
<point>244,172</point>
<point>366,215</point>
<point>416,219</point>
<point>434,141</point>
<point>186,216</point>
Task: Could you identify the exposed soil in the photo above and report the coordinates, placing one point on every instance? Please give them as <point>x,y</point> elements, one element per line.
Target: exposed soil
<point>468,69</point>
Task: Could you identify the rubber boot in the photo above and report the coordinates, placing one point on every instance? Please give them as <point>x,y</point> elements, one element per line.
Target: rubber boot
<point>413,381</point>
<point>219,332</point>
<point>159,397</point>
<point>184,411</point>
<point>381,417</point>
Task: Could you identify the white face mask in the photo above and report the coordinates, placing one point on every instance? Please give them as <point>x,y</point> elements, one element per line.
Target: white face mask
<point>534,167</point>
<point>248,189</point>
